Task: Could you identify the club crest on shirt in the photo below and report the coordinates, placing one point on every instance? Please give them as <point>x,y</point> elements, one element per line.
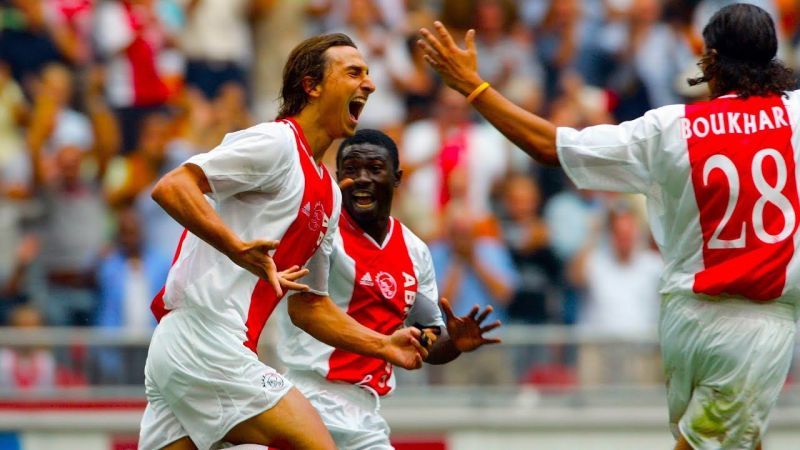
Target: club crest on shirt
<point>316,218</point>
<point>386,284</point>
<point>272,381</point>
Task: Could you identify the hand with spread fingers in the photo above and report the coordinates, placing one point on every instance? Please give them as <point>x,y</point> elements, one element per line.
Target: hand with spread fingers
<point>467,332</point>
<point>457,66</point>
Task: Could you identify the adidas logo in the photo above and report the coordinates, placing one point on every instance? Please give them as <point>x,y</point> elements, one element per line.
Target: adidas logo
<point>366,280</point>
<point>307,209</point>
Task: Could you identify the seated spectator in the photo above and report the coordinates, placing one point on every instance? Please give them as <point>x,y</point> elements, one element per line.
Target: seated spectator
<point>630,313</point>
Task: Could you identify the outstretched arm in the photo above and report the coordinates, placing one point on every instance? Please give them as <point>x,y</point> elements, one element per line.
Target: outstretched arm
<point>464,334</point>
<point>458,68</point>
<point>321,318</point>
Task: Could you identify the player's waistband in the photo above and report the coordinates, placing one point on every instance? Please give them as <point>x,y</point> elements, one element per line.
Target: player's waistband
<point>734,306</point>
<point>306,379</point>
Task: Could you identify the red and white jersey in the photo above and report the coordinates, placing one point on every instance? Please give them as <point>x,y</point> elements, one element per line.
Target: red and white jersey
<point>378,285</point>
<point>265,185</point>
<point>721,182</point>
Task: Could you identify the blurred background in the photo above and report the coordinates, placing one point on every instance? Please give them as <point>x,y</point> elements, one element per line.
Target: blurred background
<point>99,98</point>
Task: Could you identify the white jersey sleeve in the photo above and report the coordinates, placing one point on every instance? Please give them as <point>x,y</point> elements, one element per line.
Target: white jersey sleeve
<point>616,157</point>
<point>320,263</point>
<point>255,159</point>
<point>425,310</point>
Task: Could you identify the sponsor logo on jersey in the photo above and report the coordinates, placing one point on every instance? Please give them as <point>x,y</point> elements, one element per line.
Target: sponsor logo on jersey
<point>386,284</point>
<point>307,209</point>
<point>366,280</point>
<point>272,381</point>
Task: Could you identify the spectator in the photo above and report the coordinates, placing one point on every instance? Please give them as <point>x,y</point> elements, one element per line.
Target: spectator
<point>507,63</point>
<point>630,313</point>
<point>538,297</point>
<point>27,368</point>
<point>54,124</point>
<point>216,42</point>
<point>129,37</point>
<point>130,179</point>
<point>473,268</point>
<point>31,39</point>
<point>435,149</point>
<point>72,235</point>
<point>128,279</point>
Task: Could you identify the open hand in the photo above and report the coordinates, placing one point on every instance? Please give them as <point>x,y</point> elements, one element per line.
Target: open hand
<point>466,332</point>
<point>456,66</point>
<point>403,349</point>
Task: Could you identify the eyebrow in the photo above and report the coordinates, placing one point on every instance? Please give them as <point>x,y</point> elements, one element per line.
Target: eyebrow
<point>357,68</point>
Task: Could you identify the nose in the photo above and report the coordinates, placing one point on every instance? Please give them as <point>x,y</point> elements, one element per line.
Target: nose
<point>362,177</point>
<point>368,85</point>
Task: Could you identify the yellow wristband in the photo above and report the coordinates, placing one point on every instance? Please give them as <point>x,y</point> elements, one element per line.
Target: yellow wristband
<point>474,94</point>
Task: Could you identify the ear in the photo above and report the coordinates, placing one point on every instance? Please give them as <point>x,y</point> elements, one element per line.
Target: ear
<point>311,88</point>
<point>398,176</point>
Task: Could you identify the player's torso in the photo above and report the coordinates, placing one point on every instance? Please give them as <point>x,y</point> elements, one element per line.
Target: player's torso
<point>724,208</point>
<point>296,214</point>
<point>374,283</point>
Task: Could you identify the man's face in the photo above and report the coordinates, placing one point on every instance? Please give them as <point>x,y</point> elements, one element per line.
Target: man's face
<point>343,91</point>
<point>369,197</point>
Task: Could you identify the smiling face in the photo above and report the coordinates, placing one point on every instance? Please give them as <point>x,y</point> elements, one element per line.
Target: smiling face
<point>369,198</point>
<point>343,92</point>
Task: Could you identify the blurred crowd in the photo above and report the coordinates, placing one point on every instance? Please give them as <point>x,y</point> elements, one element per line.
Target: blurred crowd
<point>99,98</point>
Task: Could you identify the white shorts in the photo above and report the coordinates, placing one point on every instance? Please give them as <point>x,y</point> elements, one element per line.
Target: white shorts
<point>350,412</point>
<point>201,381</point>
<point>725,363</point>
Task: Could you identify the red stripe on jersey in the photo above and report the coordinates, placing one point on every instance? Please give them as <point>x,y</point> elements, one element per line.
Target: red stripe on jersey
<point>743,173</point>
<point>157,306</point>
<point>301,239</point>
<point>384,289</point>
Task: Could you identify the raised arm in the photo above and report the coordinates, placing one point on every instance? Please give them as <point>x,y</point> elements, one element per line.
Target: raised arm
<point>458,68</point>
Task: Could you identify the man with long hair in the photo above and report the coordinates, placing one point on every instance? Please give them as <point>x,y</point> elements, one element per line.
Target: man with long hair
<point>258,208</point>
<point>720,178</point>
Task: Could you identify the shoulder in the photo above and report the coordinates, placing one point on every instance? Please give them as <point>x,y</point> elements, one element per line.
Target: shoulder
<point>417,248</point>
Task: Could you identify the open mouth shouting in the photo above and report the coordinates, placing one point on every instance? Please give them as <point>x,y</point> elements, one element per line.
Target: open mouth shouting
<point>355,106</point>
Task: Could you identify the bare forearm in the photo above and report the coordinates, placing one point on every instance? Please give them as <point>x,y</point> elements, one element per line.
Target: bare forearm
<point>322,319</point>
<point>181,194</point>
<point>443,352</point>
<point>533,134</point>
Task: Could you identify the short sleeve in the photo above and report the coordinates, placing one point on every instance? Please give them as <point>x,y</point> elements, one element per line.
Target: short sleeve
<point>255,159</point>
<point>320,263</point>
<point>426,310</point>
<point>616,157</point>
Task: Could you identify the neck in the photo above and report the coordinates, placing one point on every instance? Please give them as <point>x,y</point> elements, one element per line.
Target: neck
<point>315,133</point>
<point>376,229</point>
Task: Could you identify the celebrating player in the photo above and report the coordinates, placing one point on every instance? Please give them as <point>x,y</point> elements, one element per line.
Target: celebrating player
<point>382,275</point>
<point>721,181</point>
<point>256,209</point>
